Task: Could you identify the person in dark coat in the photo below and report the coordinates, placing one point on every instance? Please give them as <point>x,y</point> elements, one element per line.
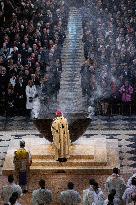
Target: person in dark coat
<point>20,98</point>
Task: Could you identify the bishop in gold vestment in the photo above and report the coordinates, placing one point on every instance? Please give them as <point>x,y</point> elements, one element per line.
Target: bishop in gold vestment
<point>61,138</point>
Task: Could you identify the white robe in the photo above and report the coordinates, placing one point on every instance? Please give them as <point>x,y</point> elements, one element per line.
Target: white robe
<point>70,197</point>
<point>36,107</point>
<point>116,182</point>
<point>30,93</point>
<point>41,196</point>
<point>129,183</point>
<point>8,190</point>
<point>127,196</point>
<point>90,197</point>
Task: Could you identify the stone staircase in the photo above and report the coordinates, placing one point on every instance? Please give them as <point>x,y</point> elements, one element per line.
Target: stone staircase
<point>69,99</point>
<point>70,94</point>
<point>97,156</point>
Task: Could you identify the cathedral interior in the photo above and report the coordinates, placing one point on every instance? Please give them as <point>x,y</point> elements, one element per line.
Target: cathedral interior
<point>77,57</point>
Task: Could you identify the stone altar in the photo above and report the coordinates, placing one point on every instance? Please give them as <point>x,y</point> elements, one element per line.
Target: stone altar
<point>94,156</point>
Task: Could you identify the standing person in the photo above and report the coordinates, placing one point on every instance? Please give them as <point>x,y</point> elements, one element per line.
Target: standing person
<point>8,189</point>
<point>36,107</point>
<point>85,77</point>
<point>115,181</point>
<point>61,138</point>
<point>129,196</point>
<point>10,100</point>
<point>70,196</point>
<point>127,93</point>
<point>20,98</point>
<point>129,182</point>
<point>13,199</point>
<point>42,195</point>
<point>30,94</point>
<point>111,198</point>
<point>22,162</point>
<point>93,195</point>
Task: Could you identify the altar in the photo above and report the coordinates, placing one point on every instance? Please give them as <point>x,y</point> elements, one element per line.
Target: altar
<point>87,156</point>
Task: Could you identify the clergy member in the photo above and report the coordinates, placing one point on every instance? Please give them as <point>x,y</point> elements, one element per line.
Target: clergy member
<point>61,138</point>
<point>22,162</point>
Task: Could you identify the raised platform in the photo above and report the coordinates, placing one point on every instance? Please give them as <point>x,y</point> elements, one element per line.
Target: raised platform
<point>94,156</point>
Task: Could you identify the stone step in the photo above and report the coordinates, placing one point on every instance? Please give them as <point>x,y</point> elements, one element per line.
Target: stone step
<point>75,77</point>
<point>68,67</point>
<point>70,93</point>
<point>69,57</point>
<point>67,60</point>
<point>50,157</point>
<point>71,82</point>
<point>76,93</point>
<point>71,42</point>
<point>71,97</point>
<point>72,104</point>
<point>82,156</point>
<point>77,49</point>
<point>74,83</point>
<point>78,28</point>
<point>76,170</point>
<point>71,38</point>
<point>70,163</point>
<point>75,87</point>
<point>77,53</point>
<point>73,100</point>
<point>70,70</point>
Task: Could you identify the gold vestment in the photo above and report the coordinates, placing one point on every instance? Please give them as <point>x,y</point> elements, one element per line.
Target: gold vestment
<point>61,138</point>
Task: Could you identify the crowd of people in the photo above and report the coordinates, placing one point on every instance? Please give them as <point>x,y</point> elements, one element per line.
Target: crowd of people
<point>32,35</point>
<point>108,73</point>
<point>119,193</point>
